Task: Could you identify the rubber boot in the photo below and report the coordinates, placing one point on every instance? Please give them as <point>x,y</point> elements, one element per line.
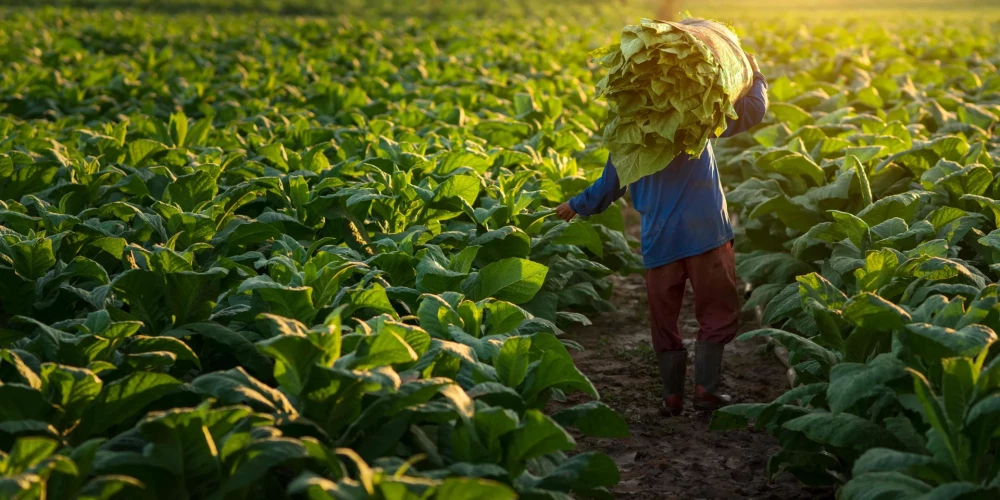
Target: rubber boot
<point>673,369</point>
<point>707,376</point>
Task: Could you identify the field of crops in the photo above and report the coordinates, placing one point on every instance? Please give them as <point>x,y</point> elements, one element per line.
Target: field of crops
<point>249,256</point>
<point>870,216</point>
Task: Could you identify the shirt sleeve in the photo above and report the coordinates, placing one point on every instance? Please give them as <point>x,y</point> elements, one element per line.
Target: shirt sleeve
<point>600,195</point>
<point>750,109</point>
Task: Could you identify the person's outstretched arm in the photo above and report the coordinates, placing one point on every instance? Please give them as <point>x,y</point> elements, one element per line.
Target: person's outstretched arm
<point>751,107</point>
<point>595,199</point>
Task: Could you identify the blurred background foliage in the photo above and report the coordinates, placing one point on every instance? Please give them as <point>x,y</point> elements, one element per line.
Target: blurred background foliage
<point>591,11</point>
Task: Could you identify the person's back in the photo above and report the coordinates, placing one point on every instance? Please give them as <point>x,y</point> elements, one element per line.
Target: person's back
<point>686,235</point>
<point>682,205</point>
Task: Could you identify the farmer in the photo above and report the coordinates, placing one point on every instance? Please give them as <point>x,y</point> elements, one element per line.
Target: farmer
<point>686,235</point>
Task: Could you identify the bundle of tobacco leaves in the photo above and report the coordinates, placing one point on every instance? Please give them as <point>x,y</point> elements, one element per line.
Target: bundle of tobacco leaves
<point>671,87</point>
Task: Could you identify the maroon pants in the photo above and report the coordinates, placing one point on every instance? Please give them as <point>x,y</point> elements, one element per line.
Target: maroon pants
<point>716,299</point>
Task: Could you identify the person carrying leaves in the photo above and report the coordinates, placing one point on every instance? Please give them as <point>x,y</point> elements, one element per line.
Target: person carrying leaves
<point>686,235</point>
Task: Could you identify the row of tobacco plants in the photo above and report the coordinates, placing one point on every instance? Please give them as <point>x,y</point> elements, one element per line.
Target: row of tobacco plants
<point>249,257</point>
<point>870,213</point>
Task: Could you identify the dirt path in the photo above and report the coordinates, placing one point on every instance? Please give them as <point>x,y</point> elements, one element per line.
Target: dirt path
<point>678,457</point>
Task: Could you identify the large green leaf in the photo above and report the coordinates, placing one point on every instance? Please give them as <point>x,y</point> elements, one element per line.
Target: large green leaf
<point>842,430</point>
<point>936,342</point>
<point>851,382</point>
<point>31,404</point>
<point>903,206</point>
<point>32,258</point>
<point>502,243</point>
<point>762,267</point>
<point>796,343</point>
<point>293,302</point>
<point>512,362</point>
<point>191,295</point>
<point>382,349</point>
<point>294,357</point>
<point>593,419</point>
<point>793,214</point>
<point>513,280</point>
<point>261,456</point>
<point>459,488</point>
<point>536,436</point>
<point>554,369</point>
<point>871,312</point>
<point>581,472</point>
<point>142,150</point>
<point>879,485</point>
<point>888,460</point>
<point>122,399</point>
<point>236,386</point>
<point>28,452</point>
<point>73,389</point>
<point>143,291</point>
<point>432,277</point>
<point>231,342</point>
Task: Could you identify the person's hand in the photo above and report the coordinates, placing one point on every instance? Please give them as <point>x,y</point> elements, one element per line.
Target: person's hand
<point>565,213</point>
<point>753,62</point>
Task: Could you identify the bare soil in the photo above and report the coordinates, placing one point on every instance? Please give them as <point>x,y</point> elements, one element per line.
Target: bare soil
<point>678,457</point>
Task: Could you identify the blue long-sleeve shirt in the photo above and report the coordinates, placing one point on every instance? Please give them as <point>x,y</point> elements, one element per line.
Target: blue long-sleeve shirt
<point>682,207</point>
